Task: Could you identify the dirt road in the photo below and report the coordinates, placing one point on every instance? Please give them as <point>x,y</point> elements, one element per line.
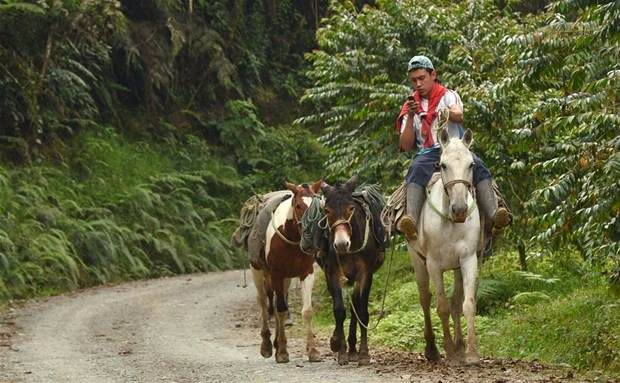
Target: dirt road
<point>197,328</point>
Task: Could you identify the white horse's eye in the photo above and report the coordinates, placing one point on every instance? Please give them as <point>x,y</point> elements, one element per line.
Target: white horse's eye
<point>443,166</point>
<point>471,166</point>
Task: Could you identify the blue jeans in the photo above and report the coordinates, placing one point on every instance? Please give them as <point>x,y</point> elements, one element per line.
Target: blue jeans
<point>424,165</point>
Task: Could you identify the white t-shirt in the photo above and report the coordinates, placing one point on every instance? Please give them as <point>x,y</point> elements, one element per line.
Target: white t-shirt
<point>449,99</point>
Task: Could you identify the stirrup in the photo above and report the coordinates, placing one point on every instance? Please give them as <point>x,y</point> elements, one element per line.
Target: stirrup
<point>407,226</point>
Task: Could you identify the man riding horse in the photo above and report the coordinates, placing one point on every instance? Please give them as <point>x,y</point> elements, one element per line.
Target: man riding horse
<point>418,123</point>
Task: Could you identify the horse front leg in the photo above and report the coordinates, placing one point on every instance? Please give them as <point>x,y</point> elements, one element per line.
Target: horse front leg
<point>469,269</point>
<point>259,276</point>
<point>457,310</point>
<point>443,308</point>
<point>337,342</point>
<point>422,280</point>
<point>271,310</point>
<point>282,312</point>
<point>362,310</point>
<point>306,313</point>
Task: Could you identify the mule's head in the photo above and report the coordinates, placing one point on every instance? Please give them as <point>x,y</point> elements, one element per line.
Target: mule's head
<point>339,209</point>
<point>302,197</point>
<point>457,171</point>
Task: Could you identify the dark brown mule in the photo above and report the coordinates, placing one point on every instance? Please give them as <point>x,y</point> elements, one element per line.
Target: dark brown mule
<point>284,260</point>
<point>352,255</point>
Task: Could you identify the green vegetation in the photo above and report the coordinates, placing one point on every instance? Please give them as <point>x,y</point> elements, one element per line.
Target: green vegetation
<point>558,313</point>
<point>132,216</point>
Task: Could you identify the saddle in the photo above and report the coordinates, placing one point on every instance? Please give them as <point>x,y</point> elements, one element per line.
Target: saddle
<point>255,217</point>
<point>315,238</point>
<point>396,204</point>
<point>373,203</point>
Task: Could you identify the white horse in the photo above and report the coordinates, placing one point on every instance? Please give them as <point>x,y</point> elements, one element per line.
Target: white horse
<point>448,239</point>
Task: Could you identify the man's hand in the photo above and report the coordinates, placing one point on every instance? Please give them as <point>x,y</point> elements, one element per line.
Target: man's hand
<point>456,114</point>
<point>413,107</point>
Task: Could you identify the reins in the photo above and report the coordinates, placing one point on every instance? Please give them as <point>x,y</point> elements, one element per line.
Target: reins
<point>387,282</point>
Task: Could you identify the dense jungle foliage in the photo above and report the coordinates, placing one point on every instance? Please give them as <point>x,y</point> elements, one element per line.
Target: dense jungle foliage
<point>131,131</point>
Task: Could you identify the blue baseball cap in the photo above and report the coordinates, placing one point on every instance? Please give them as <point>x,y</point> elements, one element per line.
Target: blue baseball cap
<point>419,62</point>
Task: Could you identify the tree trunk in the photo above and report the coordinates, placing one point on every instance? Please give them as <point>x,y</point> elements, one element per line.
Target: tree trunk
<point>522,259</point>
<point>46,61</point>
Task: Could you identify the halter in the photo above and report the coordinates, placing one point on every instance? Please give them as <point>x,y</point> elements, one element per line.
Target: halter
<point>348,223</point>
<point>454,182</point>
<point>341,221</point>
<point>446,185</point>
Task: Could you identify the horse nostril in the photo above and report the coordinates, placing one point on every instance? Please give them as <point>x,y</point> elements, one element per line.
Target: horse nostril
<point>342,246</point>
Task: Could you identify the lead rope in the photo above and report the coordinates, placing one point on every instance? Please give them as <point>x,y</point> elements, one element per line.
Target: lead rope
<point>387,281</point>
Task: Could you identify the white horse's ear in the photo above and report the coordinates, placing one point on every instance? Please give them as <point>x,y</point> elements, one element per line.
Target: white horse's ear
<point>351,184</point>
<point>468,138</point>
<point>444,137</point>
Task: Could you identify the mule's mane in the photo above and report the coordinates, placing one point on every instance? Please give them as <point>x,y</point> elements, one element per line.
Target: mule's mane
<point>339,192</point>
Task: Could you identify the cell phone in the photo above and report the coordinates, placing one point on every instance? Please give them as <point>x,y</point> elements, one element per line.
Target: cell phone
<point>410,98</point>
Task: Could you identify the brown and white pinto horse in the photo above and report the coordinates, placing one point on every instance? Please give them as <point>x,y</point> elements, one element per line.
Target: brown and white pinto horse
<point>285,260</point>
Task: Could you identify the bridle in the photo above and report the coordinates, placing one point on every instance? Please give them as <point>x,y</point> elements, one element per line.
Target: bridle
<point>451,183</point>
<point>347,221</point>
<point>447,185</point>
<point>342,221</point>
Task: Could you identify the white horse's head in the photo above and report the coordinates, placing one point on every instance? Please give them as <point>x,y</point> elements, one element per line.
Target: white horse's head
<point>457,171</point>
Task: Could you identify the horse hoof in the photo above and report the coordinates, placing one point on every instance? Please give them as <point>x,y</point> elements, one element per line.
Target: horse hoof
<point>282,357</point>
<point>453,361</point>
<point>353,356</point>
<point>432,354</point>
<point>266,350</point>
<point>334,343</point>
<point>343,358</point>
<point>363,360</point>
<point>314,355</point>
<point>472,360</point>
